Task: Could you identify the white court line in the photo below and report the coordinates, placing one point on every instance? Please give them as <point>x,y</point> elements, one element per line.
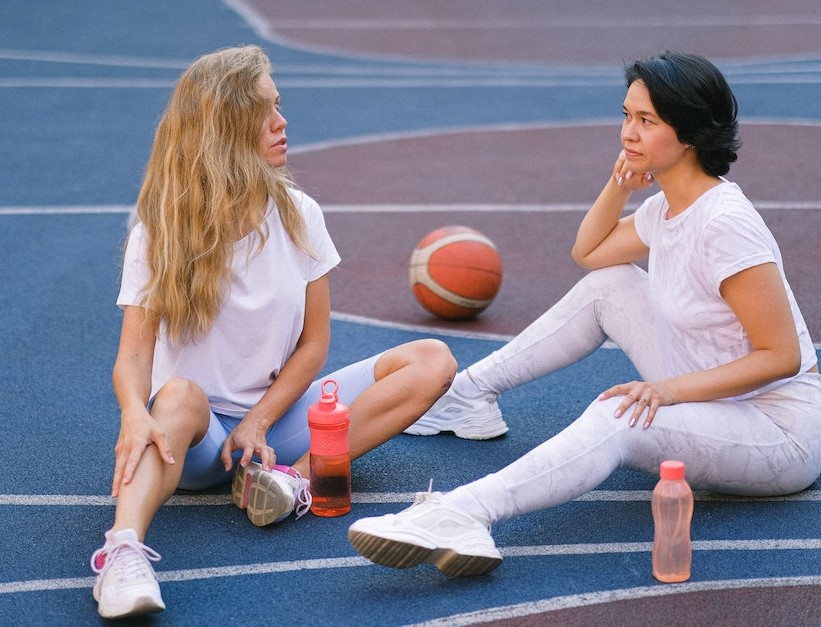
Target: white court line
<point>514,127</point>
<point>41,210</point>
<point>426,208</point>
<point>551,23</point>
<point>41,585</point>
<point>422,69</point>
<point>77,82</point>
<point>757,68</point>
<point>391,208</point>
<point>610,596</point>
<point>192,500</point>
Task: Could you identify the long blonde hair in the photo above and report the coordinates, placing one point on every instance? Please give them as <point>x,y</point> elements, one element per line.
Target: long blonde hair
<point>205,180</point>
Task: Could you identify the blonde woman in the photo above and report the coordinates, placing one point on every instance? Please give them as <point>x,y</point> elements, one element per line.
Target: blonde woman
<point>226,325</point>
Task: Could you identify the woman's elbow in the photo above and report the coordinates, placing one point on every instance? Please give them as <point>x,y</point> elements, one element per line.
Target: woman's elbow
<point>795,365</point>
<point>789,362</point>
<point>581,259</point>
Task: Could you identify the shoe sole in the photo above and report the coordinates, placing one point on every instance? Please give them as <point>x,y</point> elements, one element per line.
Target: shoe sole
<point>259,495</point>
<point>398,554</point>
<point>144,604</point>
<point>141,605</point>
<point>466,433</point>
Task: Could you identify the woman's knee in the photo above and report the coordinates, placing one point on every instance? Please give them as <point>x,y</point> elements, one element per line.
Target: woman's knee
<point>606,278</point>
<point>435,355</point>
<point>598,423</point>
<point>181,398</point>
<point>431,358</point>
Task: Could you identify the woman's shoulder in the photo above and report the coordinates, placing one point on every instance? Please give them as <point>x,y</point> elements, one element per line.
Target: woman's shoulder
<point>303,201</point>
<point>728,200</point>
<point>653,206</point>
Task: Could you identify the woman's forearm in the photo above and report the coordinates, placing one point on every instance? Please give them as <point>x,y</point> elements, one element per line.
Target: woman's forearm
<point>738,377</point>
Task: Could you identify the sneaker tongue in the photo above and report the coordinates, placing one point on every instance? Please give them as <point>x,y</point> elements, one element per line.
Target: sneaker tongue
<point>123,535</point>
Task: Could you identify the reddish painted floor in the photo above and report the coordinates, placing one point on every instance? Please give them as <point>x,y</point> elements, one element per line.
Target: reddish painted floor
<point>529,167</point>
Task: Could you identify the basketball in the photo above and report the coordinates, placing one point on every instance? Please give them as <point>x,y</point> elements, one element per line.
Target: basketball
<point>455,272</point>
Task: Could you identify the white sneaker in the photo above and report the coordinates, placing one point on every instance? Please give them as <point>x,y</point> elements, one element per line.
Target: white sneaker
<point>469,417</point>
<point>269,496</point>
<point>125,584</point>
<point>430,530</point>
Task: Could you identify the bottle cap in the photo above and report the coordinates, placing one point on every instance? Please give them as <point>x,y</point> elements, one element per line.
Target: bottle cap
<point>328,411</point>
<point>672,470</point>
<point>329,399</point>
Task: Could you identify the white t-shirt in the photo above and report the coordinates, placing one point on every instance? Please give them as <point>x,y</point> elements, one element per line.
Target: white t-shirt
<point>719,235</point>
<point>261,318</point>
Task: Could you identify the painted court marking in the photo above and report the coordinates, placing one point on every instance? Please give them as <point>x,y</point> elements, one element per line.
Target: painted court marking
<point>614,496</point>
<point>190,574</point>
<point>805,544</point>
<point>610,596</point>
<point>38,210</point>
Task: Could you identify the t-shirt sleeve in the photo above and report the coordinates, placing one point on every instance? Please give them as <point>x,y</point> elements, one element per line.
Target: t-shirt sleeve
<point>735,241</point>
<point>325,256</point>
<point>135,269</point>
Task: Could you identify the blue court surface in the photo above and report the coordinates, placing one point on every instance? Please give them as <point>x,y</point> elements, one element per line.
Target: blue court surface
<point>81,87</point>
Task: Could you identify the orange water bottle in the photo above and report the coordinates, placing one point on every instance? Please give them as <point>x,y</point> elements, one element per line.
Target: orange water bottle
<point>672,505</point>
<point>328,422</point>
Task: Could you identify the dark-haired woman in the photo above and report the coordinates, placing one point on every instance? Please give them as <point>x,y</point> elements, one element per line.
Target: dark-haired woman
<point>730,381</point>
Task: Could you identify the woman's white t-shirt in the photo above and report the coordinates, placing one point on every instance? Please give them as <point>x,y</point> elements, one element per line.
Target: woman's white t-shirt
<point>261,318</point>
<point>718,236</point>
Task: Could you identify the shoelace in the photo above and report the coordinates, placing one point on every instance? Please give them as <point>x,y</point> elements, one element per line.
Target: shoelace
<point>303,493</point>
<point>303,496</point>
<point>131,568</point>
<point>422,497</point>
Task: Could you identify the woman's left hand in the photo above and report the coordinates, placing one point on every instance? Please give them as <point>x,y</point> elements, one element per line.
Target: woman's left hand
<point>249,437</point>
<point>645,396</point>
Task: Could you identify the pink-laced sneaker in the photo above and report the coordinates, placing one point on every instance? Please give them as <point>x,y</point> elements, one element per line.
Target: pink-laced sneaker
<point>126,584</point>
<point>430,530</point>
<point>269,496</point>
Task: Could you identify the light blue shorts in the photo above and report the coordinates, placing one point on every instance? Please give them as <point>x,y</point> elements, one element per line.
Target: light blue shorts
<point>289,436</point>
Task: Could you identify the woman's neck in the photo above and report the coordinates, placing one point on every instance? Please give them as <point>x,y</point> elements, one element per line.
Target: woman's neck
<point>683,187</point>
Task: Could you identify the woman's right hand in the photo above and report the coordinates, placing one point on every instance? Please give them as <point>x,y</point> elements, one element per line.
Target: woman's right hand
<point>138,431</point>
<point>626,178</point>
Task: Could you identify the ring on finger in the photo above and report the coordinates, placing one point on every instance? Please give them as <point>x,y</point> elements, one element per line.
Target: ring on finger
<point>645,399</point>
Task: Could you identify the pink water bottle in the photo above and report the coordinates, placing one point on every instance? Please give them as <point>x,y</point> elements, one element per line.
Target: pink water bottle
<point>672,505</point>
<point>328,422</point>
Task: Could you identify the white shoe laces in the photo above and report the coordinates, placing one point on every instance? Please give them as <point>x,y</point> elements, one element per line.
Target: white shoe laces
<point>422,497</point>
<point>135,557</point>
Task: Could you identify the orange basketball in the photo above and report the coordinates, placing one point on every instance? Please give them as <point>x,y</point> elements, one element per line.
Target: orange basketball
<point>455,272</point>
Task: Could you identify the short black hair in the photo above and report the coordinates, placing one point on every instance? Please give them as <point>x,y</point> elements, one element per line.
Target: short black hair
<point>692,95</point>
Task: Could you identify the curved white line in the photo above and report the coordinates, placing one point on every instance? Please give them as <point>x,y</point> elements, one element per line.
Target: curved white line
<point>511,127</point>
<point>609,596</point>
<point>511,611</point>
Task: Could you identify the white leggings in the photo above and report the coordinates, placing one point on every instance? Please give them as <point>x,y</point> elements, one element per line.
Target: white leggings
<point>764,446</point>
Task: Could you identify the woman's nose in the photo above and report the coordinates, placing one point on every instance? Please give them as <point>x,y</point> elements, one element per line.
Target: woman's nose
<point>627,130</point>
<point>279,122</point>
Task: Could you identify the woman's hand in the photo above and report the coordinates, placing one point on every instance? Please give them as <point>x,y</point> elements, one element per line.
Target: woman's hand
<point>645,396</point>
<point>249,437</point>
<point>138,431</point>
<point>626,178</point>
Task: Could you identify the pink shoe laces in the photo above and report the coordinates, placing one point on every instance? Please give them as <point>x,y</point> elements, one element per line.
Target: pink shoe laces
<point>302,496</point>
<point>103,558</point>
